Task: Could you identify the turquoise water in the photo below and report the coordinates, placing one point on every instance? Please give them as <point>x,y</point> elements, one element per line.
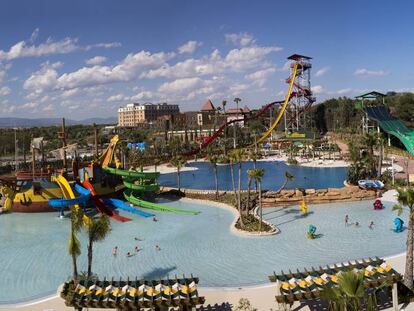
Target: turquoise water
<point>274,177</point>
<point>34,260</point>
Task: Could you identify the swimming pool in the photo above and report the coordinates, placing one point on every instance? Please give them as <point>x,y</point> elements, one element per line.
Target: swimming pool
<point>34,260</point>
<point>304,177</point>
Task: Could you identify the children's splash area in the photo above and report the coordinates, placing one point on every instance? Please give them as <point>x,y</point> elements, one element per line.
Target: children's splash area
<point>201,176</point>
<point>34,259</point>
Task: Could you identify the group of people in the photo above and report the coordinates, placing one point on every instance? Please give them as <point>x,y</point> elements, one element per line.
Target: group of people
<point>356,224</point>
<point>137,249</point>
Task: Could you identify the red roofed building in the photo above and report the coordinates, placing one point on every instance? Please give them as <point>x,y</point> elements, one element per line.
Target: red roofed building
<point>208,107</point>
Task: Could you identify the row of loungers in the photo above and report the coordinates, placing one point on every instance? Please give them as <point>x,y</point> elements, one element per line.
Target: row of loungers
<point>136,294</point>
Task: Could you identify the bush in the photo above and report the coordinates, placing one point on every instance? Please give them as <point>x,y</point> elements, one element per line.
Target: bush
<point>292,161</point>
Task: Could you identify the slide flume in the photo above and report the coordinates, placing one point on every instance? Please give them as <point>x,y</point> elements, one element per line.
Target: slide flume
<point>68,194</point>
<point>131,174</point>
<point>282,110</point>
<point>124,206</point>
<point>98,202</point>
<point>136,201</point>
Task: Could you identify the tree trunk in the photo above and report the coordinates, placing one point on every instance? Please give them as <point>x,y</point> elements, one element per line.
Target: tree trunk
<point>178,179</point>
<point>255,181</point>
<point>232,181</point>
<point>380,161</point>
<point>90,250</point>
<point>249,182</point>
<point>260,206</point>
<point>216,177</point>
<point>75,269</point>
<point>408,275</point>
<point>239,196</point>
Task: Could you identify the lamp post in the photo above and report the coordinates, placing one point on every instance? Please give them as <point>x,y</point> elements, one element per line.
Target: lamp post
<point>392,170</point>
<point>15,149</point>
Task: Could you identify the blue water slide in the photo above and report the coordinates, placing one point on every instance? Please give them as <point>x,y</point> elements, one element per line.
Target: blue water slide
<point>124,206</point>
<point>62,203</point>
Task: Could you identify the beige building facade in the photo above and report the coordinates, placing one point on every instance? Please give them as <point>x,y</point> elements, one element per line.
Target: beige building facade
<point>136,114</point>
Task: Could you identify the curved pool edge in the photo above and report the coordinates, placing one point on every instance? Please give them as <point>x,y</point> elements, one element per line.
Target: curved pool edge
<point>203,288</point>
<point>236,215</point>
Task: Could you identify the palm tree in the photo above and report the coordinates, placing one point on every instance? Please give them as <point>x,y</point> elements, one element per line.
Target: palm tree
<point>288,177</point>
<point>224,103</point>
<point>257,174</point>
<point>236,100</point>
<point>178,162</point>
<point>231,160</point>
<point>76,223</point>
<point>97,230</point>
<point>156,163</point>
<point>406,199</point>
<point>370,140</point>
<point>250,174</point>
<point>214,160</point>
<point>348,294</point>
<point>238,156</point>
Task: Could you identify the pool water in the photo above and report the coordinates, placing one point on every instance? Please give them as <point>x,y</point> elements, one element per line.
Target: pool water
<point>274,177</point>
<point>34,259</point>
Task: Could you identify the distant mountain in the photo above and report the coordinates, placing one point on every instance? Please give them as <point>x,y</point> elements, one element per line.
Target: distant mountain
<point>26,122</point>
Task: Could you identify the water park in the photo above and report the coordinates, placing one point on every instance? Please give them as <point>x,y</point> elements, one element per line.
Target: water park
<point>264,204</point>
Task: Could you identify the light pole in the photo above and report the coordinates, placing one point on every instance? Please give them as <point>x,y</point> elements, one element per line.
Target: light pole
<point>392,170</point>
<point>15,149</point>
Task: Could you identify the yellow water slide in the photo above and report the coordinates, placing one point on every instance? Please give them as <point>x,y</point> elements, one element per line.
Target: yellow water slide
<point>108,156</point>
<point>9,195</point>
<point>68,194</point>
<point>282,110</point>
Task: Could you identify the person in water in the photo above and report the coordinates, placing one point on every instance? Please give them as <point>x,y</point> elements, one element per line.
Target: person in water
<point>129,254</point>
<point>357,224</point>
<point>154,219</point>
<point>157,247</point>
<point>371,225</point>
<point>137,249</point>
<point>115,251</point>
<point>346,220</point>
<point>138,239</point>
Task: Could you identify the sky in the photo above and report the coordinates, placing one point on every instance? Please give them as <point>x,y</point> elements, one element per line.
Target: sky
<point>81,59</point>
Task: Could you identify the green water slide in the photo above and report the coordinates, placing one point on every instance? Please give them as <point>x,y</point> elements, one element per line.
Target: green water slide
<point>132,174</point>
<point>392,126</point>
<point>129,196</point>
<point>130,184</point>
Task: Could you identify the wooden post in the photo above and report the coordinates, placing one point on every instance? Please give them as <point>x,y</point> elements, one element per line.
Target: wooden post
<point>33,161</point>
<point>95,133</point>
<point>395,297</point>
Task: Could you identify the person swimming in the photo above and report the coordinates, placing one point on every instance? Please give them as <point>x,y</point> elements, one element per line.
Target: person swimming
<point>138,239</point>
<point>137,249</point>
<point>129,254</point>
<point>115,251</point>
<point>154,219</point>
<point>346,220</point>
<point>157,247</point>
<point>371,225</point>
<point>357,224</point>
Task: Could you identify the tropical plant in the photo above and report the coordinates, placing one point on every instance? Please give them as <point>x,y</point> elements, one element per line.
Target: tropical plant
<point>288,177</point>
<point>370,140</point>
<point>76,223</point>
<point>178,162</point>
<point>224,103</point>
<point>406,199</point>
<point>236,100</point>
<point>97,230</point>
<point>238,156</point>
<point>214,159</point>
<point>232,161</point>
<point>348,294</point>
<point>257,174</point>
<point>244,305</point>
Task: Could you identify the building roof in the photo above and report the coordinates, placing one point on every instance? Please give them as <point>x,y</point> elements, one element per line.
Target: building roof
<point>373,94</point>
<point>298,57</point>
<point>208,106</point>
<point>246,109</point>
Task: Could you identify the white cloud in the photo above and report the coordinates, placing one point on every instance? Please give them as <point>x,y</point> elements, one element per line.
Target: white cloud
<point>317,89</point>
<point>116,98</point>
<point>34,35</point>
<point>67,45</point>
<point>4,91</point>
<point>322,71</point>
<point>239,39</point>
<point>143,95</point>
<point>344,91</point>
<point>127,70</point>
<point>260,77</point>
<point>369,73</point>
<point>48,108</point>
<point>189,47</point>
<point>29,105</point>
<point>96,60</point>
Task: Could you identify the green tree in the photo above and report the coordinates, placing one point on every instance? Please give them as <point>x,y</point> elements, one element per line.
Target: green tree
<point>97,230</point>
<point>288,177</point>
<point>76,224</point>
<point>178,162</point>
<point>214,159</point>
<point>236,100</point>
<point>406,199</point>
<point>257,174</point>
<point>239,156</point>
<point>224,103</point>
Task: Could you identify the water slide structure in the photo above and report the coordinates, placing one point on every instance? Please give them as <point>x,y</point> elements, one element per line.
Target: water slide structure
<point>136,183</point>
<point>282,110</point>
<point>69,197</point>
<point>391,125</point>
<point>97,202</point>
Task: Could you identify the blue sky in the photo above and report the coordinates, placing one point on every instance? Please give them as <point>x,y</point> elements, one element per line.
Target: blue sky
<point>80,59</point>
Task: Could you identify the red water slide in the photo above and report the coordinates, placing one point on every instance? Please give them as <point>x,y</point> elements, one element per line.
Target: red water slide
<point>217,133</point>
<point>100,205</point>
